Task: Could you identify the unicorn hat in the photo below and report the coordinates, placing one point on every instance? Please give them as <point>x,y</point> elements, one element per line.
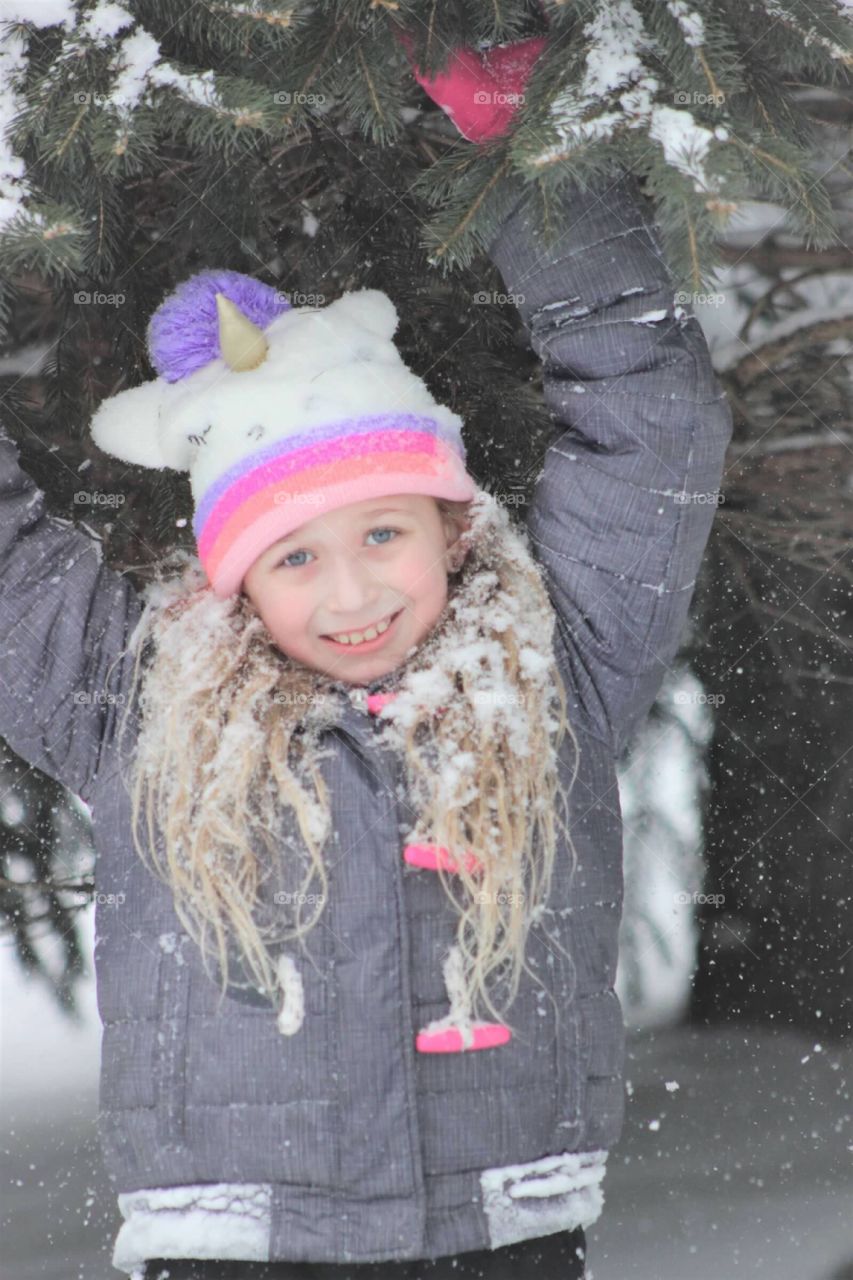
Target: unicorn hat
<point>279,414</point>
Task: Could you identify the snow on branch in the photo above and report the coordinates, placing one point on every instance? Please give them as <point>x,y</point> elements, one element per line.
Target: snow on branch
<point>14,188</point>
<point>692,26</point>
<point>135,68</point>
<point>617,74</point>
<point>785,14</point>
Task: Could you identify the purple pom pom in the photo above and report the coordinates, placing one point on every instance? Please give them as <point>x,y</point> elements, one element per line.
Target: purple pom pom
<point>183,333</point>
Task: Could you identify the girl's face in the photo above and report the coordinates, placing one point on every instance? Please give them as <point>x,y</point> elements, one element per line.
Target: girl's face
<point>348,569</point>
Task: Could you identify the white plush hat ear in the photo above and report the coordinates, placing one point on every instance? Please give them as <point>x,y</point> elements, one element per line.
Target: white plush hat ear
<point>126,425</point>
<point>370,309</point>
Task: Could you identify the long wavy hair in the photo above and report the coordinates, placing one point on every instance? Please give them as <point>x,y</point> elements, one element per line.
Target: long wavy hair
<point>229,733</point>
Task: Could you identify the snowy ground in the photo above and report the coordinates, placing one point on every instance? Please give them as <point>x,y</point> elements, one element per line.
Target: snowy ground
<point>744,1170</point>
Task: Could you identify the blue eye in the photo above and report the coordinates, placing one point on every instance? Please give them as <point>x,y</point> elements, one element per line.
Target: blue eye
<point>383,529</point>
<point>378,529</point>
<point>292,554</point>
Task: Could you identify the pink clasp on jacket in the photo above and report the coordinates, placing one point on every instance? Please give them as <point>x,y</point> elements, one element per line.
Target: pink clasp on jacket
<point>376,701</point>
<point>486,1036</point>
<point>430,856</point>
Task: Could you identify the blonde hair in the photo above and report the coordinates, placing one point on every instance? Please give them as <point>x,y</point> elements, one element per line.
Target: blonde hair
<point>229,733</point>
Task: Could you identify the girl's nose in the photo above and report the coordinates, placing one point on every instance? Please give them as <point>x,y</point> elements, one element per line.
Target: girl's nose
<point>353,587</point>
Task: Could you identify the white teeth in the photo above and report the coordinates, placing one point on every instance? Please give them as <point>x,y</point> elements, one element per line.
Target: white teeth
<point>357,637</point>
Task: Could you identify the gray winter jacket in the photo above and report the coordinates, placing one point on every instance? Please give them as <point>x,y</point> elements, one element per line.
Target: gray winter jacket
<point>226,1138</point>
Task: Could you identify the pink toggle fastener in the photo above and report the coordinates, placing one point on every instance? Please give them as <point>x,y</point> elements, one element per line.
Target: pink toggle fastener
<point>487,1035</point>
<point>376,701</point>
<point>457,1032</point>
<point>429,856</point>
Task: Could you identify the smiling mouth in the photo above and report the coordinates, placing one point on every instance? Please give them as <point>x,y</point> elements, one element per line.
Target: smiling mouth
<point>365,644</point>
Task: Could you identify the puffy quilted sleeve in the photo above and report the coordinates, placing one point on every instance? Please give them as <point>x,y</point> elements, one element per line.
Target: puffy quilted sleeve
<point>623,506</point>
<point>65,619</point>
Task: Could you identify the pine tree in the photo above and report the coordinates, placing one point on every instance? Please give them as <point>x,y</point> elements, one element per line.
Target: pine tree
<point>695,99</point>
<point>288,140</point>
<point>140,142</point>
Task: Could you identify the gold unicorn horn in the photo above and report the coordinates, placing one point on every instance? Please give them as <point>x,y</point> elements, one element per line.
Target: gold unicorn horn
<point>241,342</point>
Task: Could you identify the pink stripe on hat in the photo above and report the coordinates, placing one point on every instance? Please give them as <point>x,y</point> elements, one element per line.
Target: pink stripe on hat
<point>440,475</point>
<point>296,472</point>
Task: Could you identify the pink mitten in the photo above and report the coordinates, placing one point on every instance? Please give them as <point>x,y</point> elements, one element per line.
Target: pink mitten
<point>481,91</point>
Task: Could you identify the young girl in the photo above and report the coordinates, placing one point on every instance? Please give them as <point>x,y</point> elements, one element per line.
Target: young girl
<point>358,999</point>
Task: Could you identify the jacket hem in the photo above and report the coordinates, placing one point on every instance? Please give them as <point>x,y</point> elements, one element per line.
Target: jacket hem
<point>559,1193</point>
<point>223,1220</point>
<point>233,1221</point>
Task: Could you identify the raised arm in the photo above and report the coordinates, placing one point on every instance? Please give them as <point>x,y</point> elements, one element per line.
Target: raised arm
<point>622,510</point>
<point>65,618</point>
